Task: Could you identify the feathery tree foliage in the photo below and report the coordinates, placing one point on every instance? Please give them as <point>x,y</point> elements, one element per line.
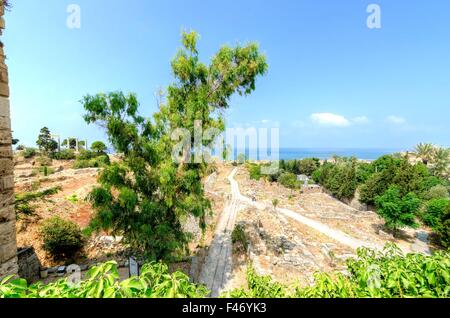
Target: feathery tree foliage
<point>146,196</point>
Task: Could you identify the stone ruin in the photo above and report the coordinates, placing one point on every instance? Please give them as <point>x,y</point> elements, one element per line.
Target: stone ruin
<point>8,246</point>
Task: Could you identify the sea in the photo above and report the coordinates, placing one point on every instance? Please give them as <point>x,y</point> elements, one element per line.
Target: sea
<point>369,154</point>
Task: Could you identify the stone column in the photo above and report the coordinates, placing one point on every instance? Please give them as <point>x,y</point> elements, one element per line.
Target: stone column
<point>8,247</point>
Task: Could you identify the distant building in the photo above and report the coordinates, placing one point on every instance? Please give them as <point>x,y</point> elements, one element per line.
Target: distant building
<point>303,178</point>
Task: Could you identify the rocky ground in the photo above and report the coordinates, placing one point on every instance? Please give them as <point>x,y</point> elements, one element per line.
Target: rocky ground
<point>363,225</point>
<point>289,252</point>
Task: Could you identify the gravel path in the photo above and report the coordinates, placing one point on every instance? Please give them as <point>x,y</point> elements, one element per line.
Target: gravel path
<point>217,270</point>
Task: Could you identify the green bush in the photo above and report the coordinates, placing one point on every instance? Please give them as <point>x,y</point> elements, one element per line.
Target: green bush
<point>254,170</point>
<point>238,236</point>
<point>86,155</point>
<point>29,152</point>
<point>434,212</point>
<point>62,238</point>
<point>44,161</point>
<point>444,231</point>
<point>437,192</point>
<point>45,171</point>
<point>289,180</point>
<point>97,162</point>
<point>65,154</point>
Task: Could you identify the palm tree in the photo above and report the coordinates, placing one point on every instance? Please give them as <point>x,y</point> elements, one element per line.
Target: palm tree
<point>425,152</point>
<point>441,162</point>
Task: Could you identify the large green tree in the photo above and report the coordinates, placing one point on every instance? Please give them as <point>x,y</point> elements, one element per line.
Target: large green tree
<point>147,195</point>
<point>45,141</point>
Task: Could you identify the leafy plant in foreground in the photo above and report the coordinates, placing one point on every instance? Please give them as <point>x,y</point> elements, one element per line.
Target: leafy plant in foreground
<point>383,274</point>
<point>102,281</point>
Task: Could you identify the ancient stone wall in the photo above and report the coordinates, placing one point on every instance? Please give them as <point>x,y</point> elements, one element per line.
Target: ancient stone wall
<point>29,264</point>
<point>8,248</point>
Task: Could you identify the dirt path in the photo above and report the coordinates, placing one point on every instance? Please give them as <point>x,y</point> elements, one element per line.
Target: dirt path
<point>216,271</point>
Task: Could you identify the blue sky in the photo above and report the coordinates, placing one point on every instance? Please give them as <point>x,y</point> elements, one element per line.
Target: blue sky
<point>332,82</point>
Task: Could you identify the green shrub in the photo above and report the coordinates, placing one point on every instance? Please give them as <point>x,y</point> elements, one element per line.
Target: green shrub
<point>434,212</point>
<point>86,155</point>
<point>238,236</point>
<point>29,152</point>
<point>44,161</point>
<point>62,238</point>
<point>437,192</point>
<point>46,170</point>
<point>254,170</point>
<point>97,162</point>
<point>289,180</point>
<point>65,154</point>
<point>443,231</point>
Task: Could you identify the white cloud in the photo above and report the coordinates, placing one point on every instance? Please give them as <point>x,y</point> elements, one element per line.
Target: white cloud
<point>360,120</point>
<point>329,119</point>
<point>396,120</point>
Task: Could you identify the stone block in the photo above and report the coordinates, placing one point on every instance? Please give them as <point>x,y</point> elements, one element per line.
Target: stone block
<point>6,182</point>
<point>3,73</point>
<point>7,213</point>
<point>7,232</point>
<point>6,167</point>
<point>5,137</point>
<point>6,152</point>
<point>4,89</point>
<point>5,122</point>
<point>6,198</point>
<point>9,268</point>
<point>4,107</point>
<point>8,251</point>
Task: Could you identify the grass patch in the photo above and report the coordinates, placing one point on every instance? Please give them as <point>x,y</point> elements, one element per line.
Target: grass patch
<point>23,200</point>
